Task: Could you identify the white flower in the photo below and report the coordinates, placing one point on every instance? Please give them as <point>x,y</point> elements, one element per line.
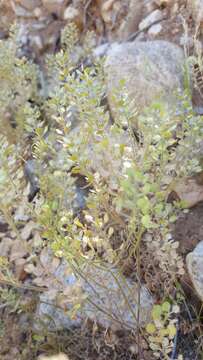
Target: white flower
<point>89,218</point>
<point>127,164</point>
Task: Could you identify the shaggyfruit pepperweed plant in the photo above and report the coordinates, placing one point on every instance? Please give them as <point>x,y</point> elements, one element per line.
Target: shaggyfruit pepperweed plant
<point>128,172</point>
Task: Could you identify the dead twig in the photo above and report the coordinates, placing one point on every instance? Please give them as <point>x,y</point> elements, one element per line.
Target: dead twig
<point>22,286</point>
<point>173,355</point>
<point>134,35</point>
<point>88,3</point>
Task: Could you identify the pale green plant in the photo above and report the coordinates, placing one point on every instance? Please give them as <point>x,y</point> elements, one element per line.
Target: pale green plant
<point>163,329</point>
<point>130,172</point>
<point>19,79</point>
<point>130,179</point>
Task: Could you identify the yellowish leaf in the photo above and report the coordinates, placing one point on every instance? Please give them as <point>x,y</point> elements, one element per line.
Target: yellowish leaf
<point>151,328</point>
<point>110,231</point>
<point>78,223</point>
<point>106,218</point>
<point>171,331</point>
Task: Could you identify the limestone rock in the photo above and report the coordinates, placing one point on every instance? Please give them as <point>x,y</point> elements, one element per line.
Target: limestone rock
<point>100,51</point>
<point>155,29</point>
<point>189,190</point>
<point>49,314</point>
<point>104,302</point>
<point>155,16</point>
<point>152,71</point>
<point>120,303</point>
<point>194,261</point>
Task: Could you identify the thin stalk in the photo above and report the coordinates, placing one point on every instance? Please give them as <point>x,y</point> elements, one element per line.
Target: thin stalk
<point>21,286</point>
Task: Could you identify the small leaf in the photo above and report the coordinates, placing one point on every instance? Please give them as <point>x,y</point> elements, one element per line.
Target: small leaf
<point>171,331</point>
<point>144,204</point>
<point>78,223</point>
<point>165,342</point>
<point>156,312</point>
<point>122,82</point>
<point>173,218</point>
<point>38,338</point>
<point>147,188</point>
<point>151,328</point>
<point>175,245</point>
<point>166,306</point>
<point>154,347</point>
<point>163,332</point>
<point>155,339</point>
<point>158,323</point>
<point>106,218</point>
<point>146,221</point>
<point>175,309</point>
<point>110,231</point>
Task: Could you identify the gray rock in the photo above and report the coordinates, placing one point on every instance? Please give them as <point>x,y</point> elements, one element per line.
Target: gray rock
<point>3,34</point>
<point>49,314</point>
<point>30,172</point>
<point>100,50</point>
<point>75,199</point>
<point>22,12</point>
<point>155,29</point>
<point>110,300</point>
<point>155,16</point>
<point>152,71</point>
<point>113,299</point>
<point>194,262</point>
<point>79,201</point>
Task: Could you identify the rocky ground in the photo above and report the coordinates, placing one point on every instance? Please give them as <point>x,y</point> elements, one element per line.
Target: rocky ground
<point>126,32</point>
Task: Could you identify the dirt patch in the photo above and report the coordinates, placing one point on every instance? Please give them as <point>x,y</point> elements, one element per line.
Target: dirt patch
<point>19,342</point>
<point>188,229</point>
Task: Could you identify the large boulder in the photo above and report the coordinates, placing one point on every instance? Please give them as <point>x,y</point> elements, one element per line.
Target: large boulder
<point>115,301</point>
<point>194,261</point>
<point>152,71</point>
<point>108,299</point>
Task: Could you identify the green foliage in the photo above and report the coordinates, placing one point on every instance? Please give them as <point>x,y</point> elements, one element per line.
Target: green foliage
<point>129,177</point>
<point>9,298</point>
<point>19,80</point>
<point>19,114</point>
<point>162,330</point>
